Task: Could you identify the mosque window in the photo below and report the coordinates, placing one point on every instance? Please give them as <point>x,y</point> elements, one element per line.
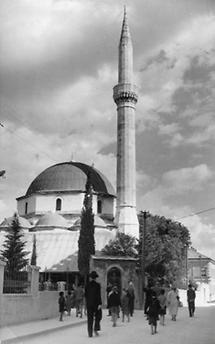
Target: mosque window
<point>26,207</point>
<point>99,207</point>
<point>58,204</point>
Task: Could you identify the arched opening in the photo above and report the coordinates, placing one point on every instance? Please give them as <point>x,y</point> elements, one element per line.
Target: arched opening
<point>58,204</point>
<point>114,278</point>
<point>99,206</point>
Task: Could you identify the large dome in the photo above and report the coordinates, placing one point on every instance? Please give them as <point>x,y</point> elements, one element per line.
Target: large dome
<point>69,176</point>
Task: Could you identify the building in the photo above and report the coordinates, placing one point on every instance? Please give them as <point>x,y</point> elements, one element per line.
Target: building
<point>201,273</point>
<point>50,210</point>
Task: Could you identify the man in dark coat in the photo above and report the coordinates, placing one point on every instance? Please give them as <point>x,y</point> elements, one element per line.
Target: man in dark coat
<point>93,304</point>
<point>191,295</point>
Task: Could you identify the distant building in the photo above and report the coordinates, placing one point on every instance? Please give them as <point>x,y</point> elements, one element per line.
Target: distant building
<point>201,272</point>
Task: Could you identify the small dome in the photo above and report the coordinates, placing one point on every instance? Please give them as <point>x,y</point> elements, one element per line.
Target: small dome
<point>98,222</point>
<point>51,220</point>
<point>24,224</point>
<point>70,176</point>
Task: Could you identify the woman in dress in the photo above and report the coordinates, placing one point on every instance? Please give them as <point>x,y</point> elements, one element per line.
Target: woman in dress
<point>172,302</point>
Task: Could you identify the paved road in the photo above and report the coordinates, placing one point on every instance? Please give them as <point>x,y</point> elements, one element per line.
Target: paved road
<point>198,330</point>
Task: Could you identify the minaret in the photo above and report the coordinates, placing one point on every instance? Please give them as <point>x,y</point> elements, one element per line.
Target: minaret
<point>125,97</point>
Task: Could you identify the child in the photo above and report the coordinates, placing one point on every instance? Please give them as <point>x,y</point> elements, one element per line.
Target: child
<point>62,304</point>
<point>114,304</point>
<point>125,305</point>
<point>162,301</point>
<point>153,312</point>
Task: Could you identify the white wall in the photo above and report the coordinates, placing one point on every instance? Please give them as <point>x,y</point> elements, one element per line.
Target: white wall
<point>19,308</point>
<point>31,205</point>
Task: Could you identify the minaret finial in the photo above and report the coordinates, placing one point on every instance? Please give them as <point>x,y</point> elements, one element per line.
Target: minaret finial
<point>125,29</point>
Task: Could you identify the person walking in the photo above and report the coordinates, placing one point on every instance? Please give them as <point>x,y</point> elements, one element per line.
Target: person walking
<point>162,300</point>
<point>131,296</point>
<point>69,302</point>
<point>172,302</point>
<point>114,304</point>
<point>125,305</point>
<point>108,290</point>
<point>79,300</point>
<point>93,304</point>
<point>191,295</point>
<point>148,297</point>
<point>62,305</point>
<point>153,312</point>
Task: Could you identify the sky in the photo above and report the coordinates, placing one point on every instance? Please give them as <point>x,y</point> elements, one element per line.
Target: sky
<point>58,67</point>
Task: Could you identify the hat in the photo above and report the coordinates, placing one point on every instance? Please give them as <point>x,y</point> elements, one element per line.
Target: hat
<point>93,274</point>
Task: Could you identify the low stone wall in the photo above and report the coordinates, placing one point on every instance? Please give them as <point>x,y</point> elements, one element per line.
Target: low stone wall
<point>19,308</point>
<point>35,305</point>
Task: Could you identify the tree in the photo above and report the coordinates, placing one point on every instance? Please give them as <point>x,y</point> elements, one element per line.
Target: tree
<point>122,245</point>
<point>86,241</point>
<point>13,252</point>
<point>34,252</point>
<point>165,247</point>
<point>166,242</point>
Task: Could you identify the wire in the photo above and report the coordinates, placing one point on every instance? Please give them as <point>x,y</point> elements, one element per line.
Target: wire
<point>21,138</point>
<point>199,212</point>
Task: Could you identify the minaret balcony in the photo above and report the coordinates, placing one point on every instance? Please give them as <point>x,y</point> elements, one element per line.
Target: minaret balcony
<point>126,92</point>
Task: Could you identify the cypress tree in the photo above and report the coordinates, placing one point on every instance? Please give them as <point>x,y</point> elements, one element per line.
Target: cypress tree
<point>13,252</point>
<point>86,242</point>
<point>34,252</point>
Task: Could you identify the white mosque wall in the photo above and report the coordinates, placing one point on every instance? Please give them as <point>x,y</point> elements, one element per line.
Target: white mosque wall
<point>70,204</point>
<point>31,205</point>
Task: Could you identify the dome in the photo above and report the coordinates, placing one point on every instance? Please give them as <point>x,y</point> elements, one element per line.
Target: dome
<point>51,220</point>
<point>7,222</point>
<point>98,222</point>
<point>69,176</point>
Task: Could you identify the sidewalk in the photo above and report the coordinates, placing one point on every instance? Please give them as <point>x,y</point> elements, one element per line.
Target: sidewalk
<point>15,333</point>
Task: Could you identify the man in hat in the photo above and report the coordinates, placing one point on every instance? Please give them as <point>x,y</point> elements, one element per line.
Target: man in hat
<point>191,295</point>
<point>93,304</point>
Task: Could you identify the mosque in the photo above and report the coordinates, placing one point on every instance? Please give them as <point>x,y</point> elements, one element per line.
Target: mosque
<point>50,211</point>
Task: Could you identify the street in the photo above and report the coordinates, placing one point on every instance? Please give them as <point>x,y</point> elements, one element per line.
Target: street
<point>197,330</point>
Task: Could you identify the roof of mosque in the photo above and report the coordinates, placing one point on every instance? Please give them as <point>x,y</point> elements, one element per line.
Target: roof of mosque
<point>57,250</point>
<point>70,176</point>
<point>52,220</point>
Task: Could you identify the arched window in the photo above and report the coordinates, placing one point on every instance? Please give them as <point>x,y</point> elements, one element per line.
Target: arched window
<point>58,204</point>
<point>99,206</point>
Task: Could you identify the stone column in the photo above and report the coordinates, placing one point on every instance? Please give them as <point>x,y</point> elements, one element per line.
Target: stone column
<point>33,278</point>
<point>2,265</point>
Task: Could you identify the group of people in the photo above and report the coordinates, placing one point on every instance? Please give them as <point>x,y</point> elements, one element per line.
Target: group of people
<point>158,300</point>
<point>73,299</point>
<point>117,302</point>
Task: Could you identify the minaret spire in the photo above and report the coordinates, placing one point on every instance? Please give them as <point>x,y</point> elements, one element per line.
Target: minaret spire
<point>125,98</point>
<point>125,71</point>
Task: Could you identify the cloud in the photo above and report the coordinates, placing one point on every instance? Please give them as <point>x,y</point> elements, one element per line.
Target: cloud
<point>185,179</point>
<point>203,235</point>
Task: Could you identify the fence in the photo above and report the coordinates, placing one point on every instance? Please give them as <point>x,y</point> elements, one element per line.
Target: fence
<point>30,304</point>
<point>16,282</point>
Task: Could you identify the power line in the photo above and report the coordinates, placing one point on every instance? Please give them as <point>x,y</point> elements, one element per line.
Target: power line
<point>29,143</point>
<point>197,213</point>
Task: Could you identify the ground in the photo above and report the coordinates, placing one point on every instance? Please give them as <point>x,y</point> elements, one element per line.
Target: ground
<point>197,330</point>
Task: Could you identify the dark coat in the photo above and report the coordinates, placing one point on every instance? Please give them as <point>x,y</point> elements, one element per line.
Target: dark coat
<point>93,295</point>
<point>153,311</point>
<point>62,304</point>
<point>114,299</point>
